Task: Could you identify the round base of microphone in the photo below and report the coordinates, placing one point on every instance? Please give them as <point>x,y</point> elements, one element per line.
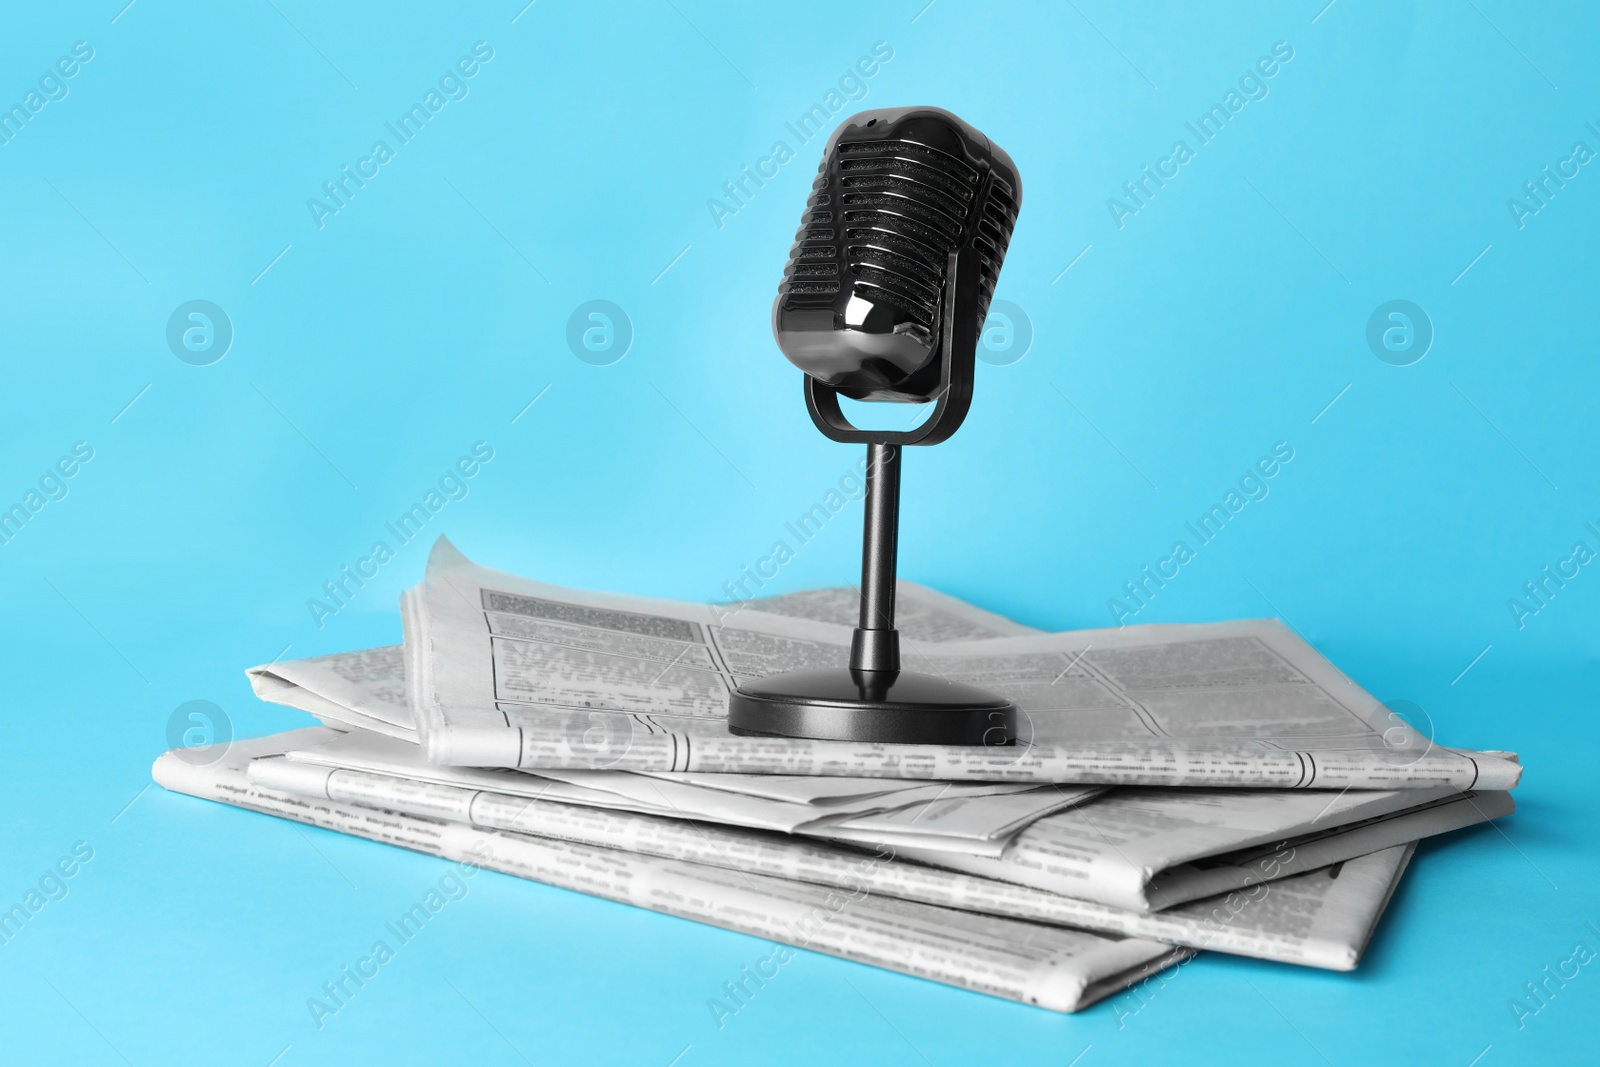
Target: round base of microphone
<point>884,707</point>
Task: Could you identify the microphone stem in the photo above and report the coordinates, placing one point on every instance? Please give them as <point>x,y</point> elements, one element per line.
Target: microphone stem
<point>876,644</point>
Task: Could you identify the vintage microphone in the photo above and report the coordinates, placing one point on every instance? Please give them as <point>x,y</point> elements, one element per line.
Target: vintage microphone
<point>883,298</point>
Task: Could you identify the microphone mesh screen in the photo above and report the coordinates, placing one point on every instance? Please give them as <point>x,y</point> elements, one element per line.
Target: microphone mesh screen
<point>904,207</point>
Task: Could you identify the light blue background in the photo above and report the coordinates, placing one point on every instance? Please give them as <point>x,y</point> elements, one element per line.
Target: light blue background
<point>1224,316</point>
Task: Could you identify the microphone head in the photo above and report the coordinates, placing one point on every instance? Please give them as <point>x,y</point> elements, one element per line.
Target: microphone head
<point>861,304</point>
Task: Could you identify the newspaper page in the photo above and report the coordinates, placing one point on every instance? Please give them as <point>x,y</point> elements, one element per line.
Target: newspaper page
<point>1314,919</point>
<point>366,689</point>
<point>1135,848</point>
<point>974,817</point>
<point>973,826</point>
<point>1183,836</point>
<point>1241,870</point>
<point>508,672</point>
<point>1050,967</point>
<point>920,614</point>
<point>1146,849</point>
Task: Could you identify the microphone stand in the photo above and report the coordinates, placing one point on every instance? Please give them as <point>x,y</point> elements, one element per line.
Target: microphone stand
<point>873,700</point>
<point>875,647</point>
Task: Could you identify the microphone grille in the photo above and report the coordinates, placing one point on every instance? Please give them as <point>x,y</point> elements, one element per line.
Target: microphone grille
<point>884,215</point>
<point>861,304</point>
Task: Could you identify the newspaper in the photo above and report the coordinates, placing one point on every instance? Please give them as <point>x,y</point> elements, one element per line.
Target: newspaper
<point>920,614</point>
<point>1134,847</point>
<point>1146,850</point>
<point>366,689</point>
<point>507,672</point>
<point>1138,851</point>
<point>1048,966</point>
<point>972,817</point>
<point>1322,918</point>
<point>1138,848</point>
<point>969,826</point>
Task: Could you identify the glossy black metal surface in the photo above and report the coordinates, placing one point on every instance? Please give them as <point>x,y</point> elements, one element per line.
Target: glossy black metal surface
<point>876,645</point>
<point>955,371</point>
<point>898,191</point>
<point>896,707</point>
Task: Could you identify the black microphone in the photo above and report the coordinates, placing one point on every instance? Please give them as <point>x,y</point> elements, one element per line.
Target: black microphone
<point>898,192</point>
<point>883,299</point>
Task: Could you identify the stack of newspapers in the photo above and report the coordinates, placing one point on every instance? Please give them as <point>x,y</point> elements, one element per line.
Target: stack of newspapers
<point>1177,788</point>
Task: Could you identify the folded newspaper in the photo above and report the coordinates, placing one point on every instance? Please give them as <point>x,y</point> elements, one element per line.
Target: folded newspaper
<point>1022,944</point>
<point>1049,966</point>
<point>1132,848</point>
<point>508,672</point>
<point>1335,941</point>
<point>574,739</point>
<point>971,817</point>
<point>1136,848</point>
